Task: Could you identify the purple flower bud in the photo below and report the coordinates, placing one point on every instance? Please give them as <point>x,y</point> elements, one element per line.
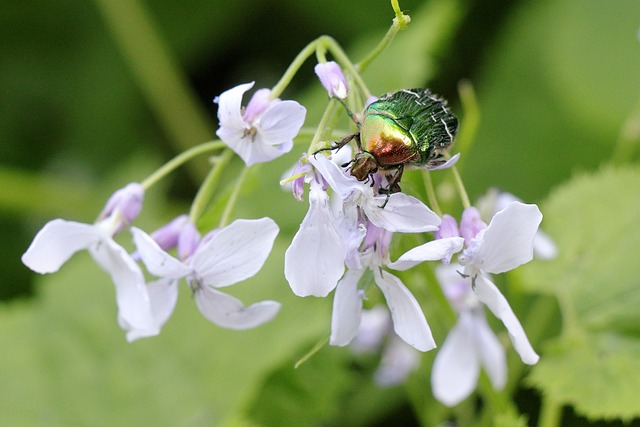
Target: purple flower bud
<point>471,224</point>
<point>332,79</point>
<point>257,105</point>
<point>377,237</point>
<point>188,241</point>
<point>448,228</point>
<point>126,202</point>
<point>167,235</point>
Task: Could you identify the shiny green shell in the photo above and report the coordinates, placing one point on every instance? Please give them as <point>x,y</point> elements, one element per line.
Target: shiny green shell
<point>409,127</point>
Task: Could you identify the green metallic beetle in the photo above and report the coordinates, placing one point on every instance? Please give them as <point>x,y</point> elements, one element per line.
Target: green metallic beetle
<point>409,128</point>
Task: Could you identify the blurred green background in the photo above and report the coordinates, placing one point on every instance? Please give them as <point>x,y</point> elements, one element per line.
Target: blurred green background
<point>94,94</point>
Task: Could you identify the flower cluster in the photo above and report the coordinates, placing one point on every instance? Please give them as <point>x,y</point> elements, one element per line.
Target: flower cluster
<point>344,244</point>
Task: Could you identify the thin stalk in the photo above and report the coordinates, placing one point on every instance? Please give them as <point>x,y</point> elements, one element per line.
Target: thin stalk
<point>464,197</point>
<point>226,214</point>
<point>550,413</point>
<point>431,193</point>
<point>179,160</point>
<point>209,185</point>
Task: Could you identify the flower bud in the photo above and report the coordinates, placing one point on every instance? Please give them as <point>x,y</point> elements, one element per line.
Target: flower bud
<point>167,235</point>
<point>126,203</point>
<point>332,79</point>
<point>257,105</point>
<point>471,224</point>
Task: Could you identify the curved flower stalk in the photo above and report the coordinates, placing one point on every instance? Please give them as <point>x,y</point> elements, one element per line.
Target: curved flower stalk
<point>219,259</point>
<point>261,132</point>
<point>58,240</point>
<point>471,344</point>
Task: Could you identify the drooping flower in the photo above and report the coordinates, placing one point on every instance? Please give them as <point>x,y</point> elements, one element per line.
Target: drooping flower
<point>222,258</point>
<point>471,344</point>
<point>264,130</point>
<point>332,78</point>
<point>58,240</point>
<point>409,322</point>
<point>505,244</point>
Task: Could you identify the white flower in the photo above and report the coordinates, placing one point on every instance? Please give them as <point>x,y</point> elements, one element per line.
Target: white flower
<point>262,132</point>
<point>59,240</point>
<point>409,322</point>
<point>401,213</point>
<point>470,344</point>
<point>230,255</point>
<point>332,78</point>
<point>505,244</point>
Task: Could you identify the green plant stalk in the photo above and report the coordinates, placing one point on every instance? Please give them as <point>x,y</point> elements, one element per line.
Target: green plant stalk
<point>550,413</point>
<point>431,193</point>
<point>157,73</point>
<point>233,198</point>
<point>179,160</point>
<point>208,187</point>
<point>471,120</point>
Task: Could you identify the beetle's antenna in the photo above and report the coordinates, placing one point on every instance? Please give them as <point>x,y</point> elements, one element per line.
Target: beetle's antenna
<point>349,112</point>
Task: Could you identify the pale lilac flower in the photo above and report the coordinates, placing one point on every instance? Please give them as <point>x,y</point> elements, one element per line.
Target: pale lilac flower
<point>495,201</point>
<point>409,321</point>
<point>505,244</point>
<point>376,334</point>
<point>58,240</point>
<point>471,344</point>
<point>264,130</point>
<point>332,78</point>
<point>222,258</point>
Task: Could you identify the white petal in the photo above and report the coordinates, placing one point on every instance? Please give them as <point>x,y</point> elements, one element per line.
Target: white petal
<point>56,242</point>
<point>158,262</point>
<point>430,251</point>
<point>230,108</point>
<point>314,262</point>
<point>341,183</point>
<point>446,165</point>
<point>402,213</point>
<point>408,319</point>
<point>347,309</point>
<point>163,295</point>
<point>508,239</point>
<point>398,361</point>
<point>236,252</point>
<point>491,352</point>
<point>456,366</point>
<point>544,247</point>
<point>490,296</point>
<point>229,312</point>
<point>251,149</point>
<point>132,297</point>
<point>281,122</point>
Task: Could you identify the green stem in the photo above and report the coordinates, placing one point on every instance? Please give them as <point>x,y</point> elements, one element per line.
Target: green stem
<point>226,214</point>
<point>464,197</point>
<point>209,185</point>
<point>179,160</point>
<point>157,73</point>
<point>400,22</point>
<point>550,413</point>
<point>323,128</point>
<point>316,348</point>
<point>431,193</point>
<point>470,122</point>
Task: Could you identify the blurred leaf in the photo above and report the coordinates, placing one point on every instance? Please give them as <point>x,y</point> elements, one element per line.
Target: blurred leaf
<point>593,220</point>
<point>597,375</point>
<point>510,419</point>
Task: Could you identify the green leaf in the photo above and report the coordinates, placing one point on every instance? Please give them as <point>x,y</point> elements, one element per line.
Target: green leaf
<point>598,375</point>
<point>594,221</point>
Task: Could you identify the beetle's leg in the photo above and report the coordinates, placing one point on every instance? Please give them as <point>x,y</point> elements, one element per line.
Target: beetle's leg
<point>393,184</point>
<point>339,144</point>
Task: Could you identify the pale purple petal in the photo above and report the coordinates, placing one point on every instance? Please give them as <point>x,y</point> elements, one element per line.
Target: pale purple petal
<point>314,262</point>
<point>167,236</point>
<point>490,296</point>
<point>398,361</point>
<point>132,296</point>
<point>126,202</point>
<point>332,78</point>
<point>229,312</point>
<point>456,367</point>
<point>471,224</point>
<point>236,252</point>
<point>347,309</point>
<point>280,123</point>
<point>258,103</point>
<point>57,241</point>
<point>408,319</point>
<point>402,213</point>
<point>341,183</point>
<point>251,149</point>
<point>448,228</point>
<point>431,251</point>
<point>508,240</point>
<point>163,295</point>
<point>158,262</point>
<point>230,109</point>
<point>446,165</point>
<point>491,352</point>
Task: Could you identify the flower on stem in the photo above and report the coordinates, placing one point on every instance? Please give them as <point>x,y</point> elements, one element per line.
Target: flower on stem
<point>58,240</point>
<point>506,243</point>
<point>470,344</point>
<point>220,259</point>
<point>332,78</point>
<point>261,132</point>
